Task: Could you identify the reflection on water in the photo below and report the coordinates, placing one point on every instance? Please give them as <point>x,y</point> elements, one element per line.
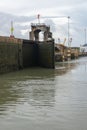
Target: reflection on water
<point>38,99</point>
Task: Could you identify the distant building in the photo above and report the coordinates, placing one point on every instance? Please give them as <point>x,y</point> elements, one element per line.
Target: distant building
<point>83,48</point>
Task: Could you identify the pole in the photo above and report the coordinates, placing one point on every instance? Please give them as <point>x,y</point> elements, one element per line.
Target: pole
<point>38,16</point>
<point>69,48</point>
<point>85,35</point>
<point>68,32</point>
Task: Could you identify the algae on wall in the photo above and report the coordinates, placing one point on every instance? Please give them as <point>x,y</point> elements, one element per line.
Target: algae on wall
<point>46,54</point>
<point>38,54</point>
<point>10,55</point>
<point>30,54</point>
<point>18,53</point>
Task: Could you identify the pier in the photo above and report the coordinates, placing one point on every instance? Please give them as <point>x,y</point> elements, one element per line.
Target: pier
<point>64,53</point>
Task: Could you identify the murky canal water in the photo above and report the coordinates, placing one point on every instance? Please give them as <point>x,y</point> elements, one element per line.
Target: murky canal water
<point>45,99</point>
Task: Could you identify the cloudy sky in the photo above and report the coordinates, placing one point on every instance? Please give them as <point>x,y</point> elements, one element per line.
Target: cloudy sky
<point>54,13</point>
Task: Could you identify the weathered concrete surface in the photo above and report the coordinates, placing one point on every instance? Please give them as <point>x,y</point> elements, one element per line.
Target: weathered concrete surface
<point>17,53</point>
<point>10,54</point>
<point>46,55</point>
<point>30,53</point>
<point>38,54</point>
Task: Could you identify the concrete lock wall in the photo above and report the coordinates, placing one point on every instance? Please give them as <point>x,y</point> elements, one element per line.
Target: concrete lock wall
<point>17,53</point>
<point>38,54</point>
<point>46,55</point>
<point>10,57</point>
<point>30,53</point>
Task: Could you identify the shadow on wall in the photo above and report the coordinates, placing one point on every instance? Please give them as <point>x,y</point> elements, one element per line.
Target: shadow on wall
<point>38,54</point>
<point>17,54</point>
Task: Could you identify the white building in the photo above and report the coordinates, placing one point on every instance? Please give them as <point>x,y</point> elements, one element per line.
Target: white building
<point>83,48</point>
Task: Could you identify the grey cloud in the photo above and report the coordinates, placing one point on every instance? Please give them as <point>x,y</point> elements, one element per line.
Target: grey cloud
<point>5,23</point>
<point>50,23</point>
<point>19,24</point>
<point>76,9</point>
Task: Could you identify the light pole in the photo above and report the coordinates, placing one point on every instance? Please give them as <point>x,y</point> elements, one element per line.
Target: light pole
<point>85,35</point>
<point>69,46</point>
<point>68,31</point>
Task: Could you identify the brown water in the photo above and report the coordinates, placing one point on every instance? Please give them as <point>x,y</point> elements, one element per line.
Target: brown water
<point>45,99</point>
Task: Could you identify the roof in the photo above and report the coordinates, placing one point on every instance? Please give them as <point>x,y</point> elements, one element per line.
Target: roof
<point>85,45</point>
